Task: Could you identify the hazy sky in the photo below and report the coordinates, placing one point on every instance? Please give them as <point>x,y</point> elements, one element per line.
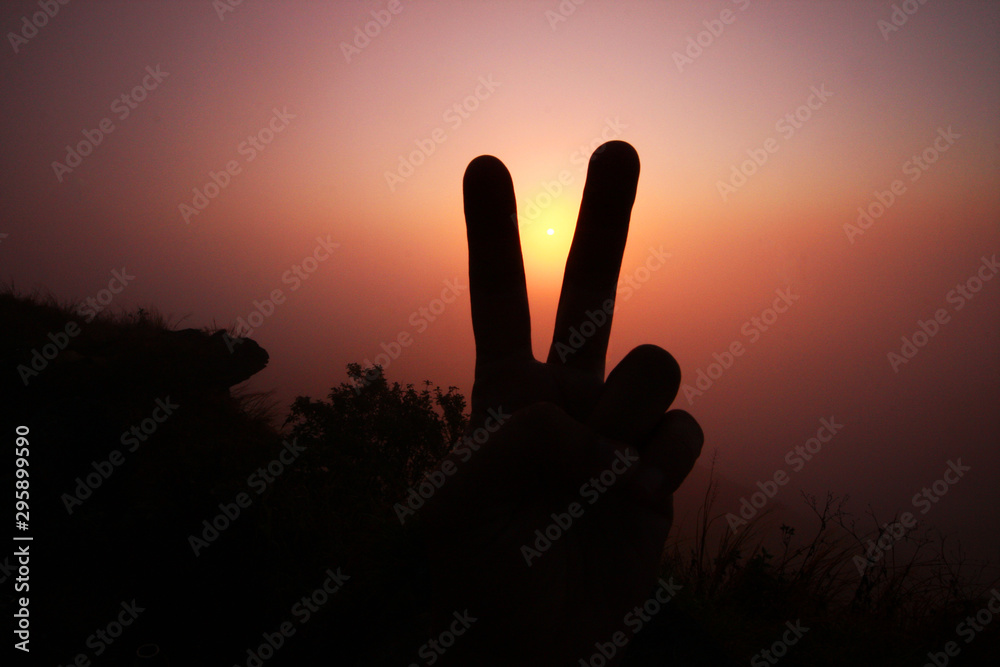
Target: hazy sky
<point>210,149</point>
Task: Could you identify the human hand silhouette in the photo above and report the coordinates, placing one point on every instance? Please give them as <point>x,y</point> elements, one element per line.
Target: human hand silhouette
<point>606,445</point>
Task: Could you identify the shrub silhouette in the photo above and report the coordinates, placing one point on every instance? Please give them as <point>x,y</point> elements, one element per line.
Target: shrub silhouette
<point>377,439</point>
<point>366,445</point>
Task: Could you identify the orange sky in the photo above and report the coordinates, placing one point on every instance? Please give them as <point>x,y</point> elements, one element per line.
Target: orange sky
<point>833,105</point>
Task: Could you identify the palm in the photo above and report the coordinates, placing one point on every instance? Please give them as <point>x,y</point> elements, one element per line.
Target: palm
<point>516,384</point>
<point>567,424</point>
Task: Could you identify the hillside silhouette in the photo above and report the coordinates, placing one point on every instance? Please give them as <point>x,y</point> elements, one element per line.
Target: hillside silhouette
<point>142,531</point>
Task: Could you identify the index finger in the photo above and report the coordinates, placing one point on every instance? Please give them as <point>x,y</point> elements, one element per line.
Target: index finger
<point>500,319</point>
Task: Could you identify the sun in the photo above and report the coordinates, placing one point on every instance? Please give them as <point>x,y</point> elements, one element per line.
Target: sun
<point>546,233</point>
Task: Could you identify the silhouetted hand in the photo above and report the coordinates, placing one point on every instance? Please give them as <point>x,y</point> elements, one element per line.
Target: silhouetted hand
<point>607,446</point>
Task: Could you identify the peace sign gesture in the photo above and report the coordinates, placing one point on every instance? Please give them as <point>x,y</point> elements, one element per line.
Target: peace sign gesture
<point>551,530</point>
